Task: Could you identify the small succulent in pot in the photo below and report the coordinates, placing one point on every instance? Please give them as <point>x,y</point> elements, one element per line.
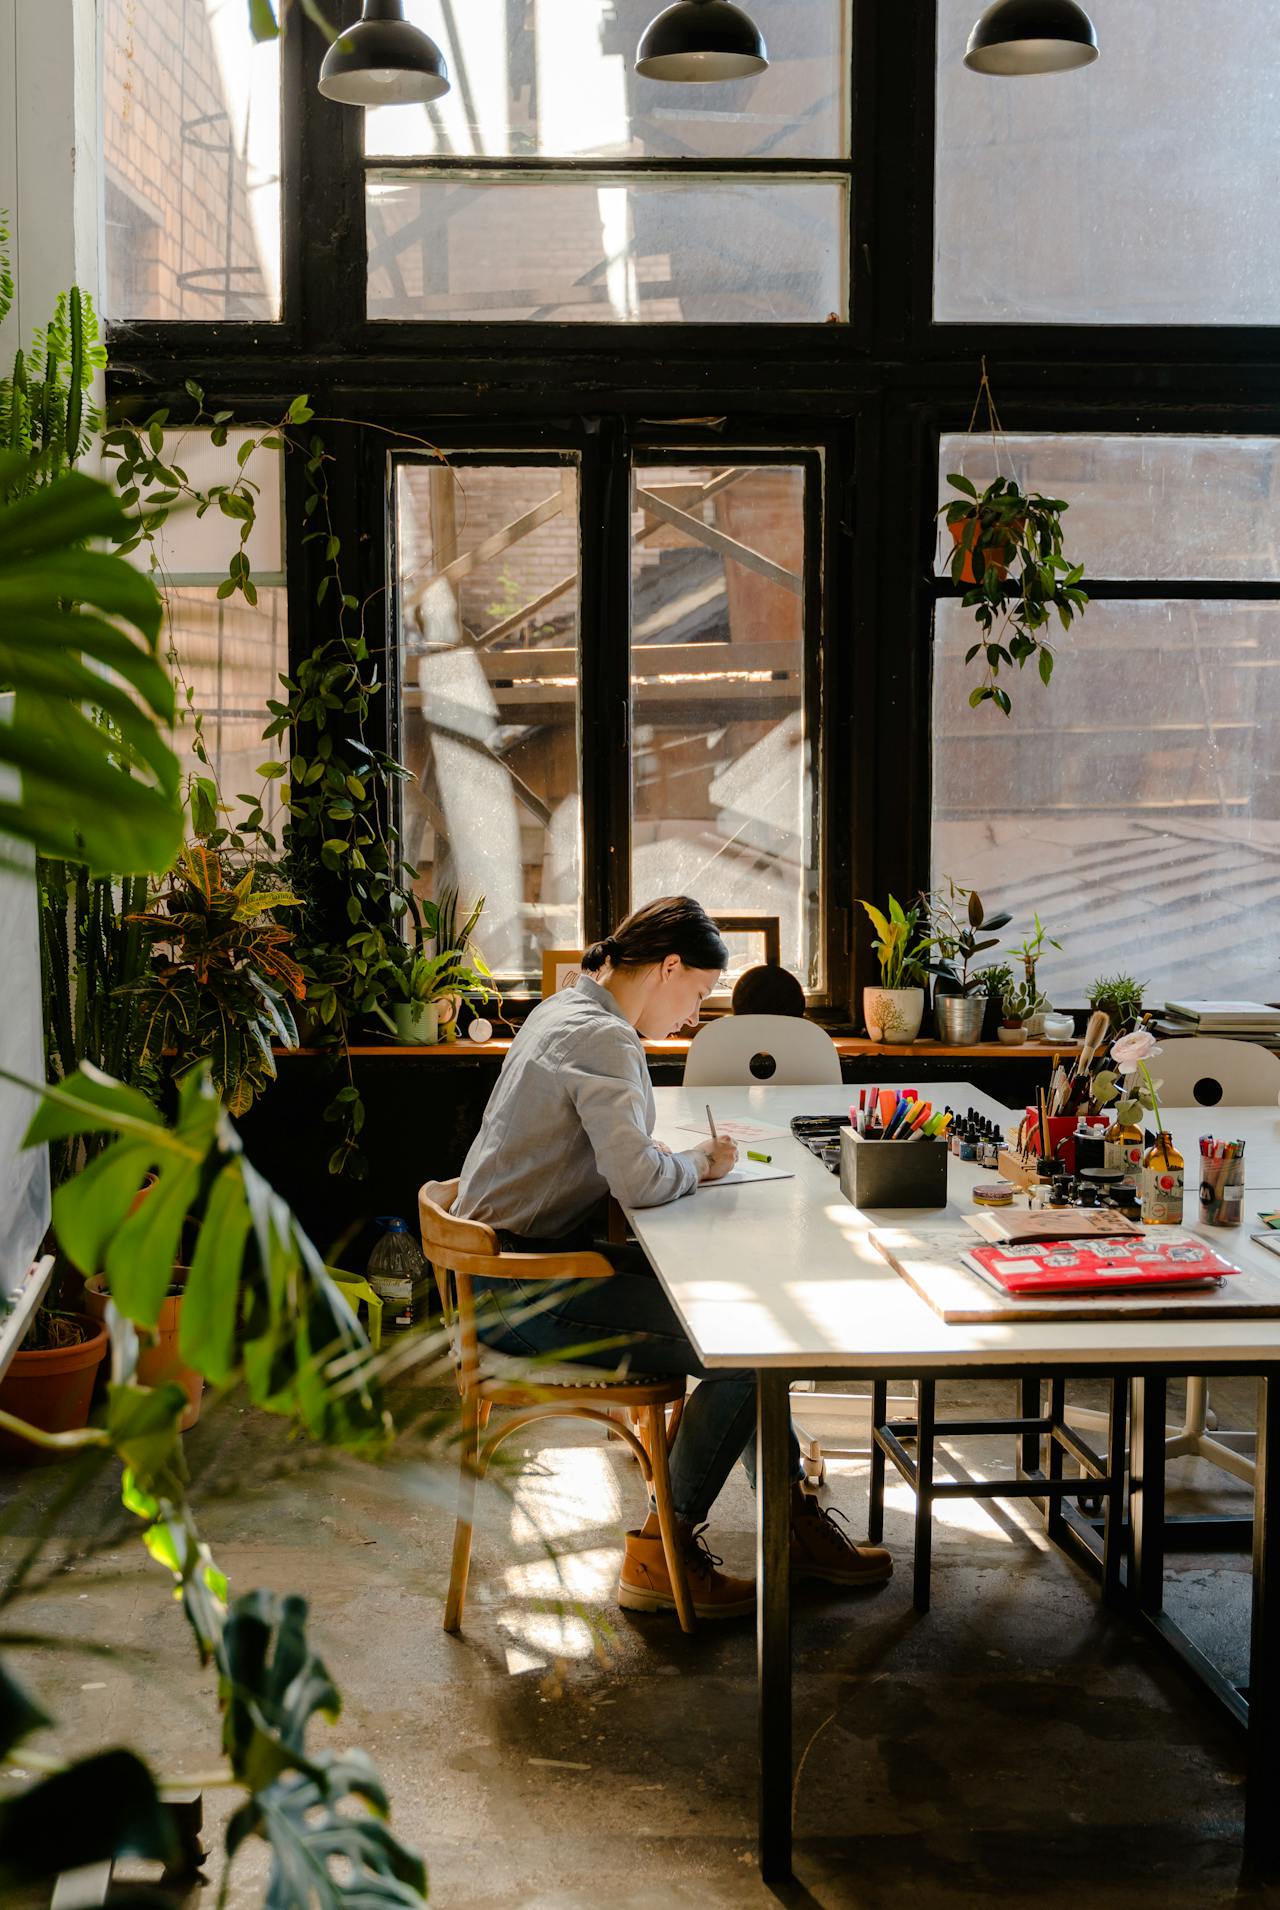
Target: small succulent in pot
<point>1120,998</point>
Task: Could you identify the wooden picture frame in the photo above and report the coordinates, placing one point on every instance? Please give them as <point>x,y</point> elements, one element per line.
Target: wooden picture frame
<point>560,969</point>
<point>766,925</point>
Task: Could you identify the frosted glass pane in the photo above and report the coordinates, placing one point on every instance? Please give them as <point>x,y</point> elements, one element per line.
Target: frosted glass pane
<point>1134,802</point>
<point>1146,507</point>
<point>607,249</point>
<point>557,77</point>
<point>1140,190</point>
<point>487,565</point>
<point>191,152</point>
<point>723,782</point>
<point>228,657</point>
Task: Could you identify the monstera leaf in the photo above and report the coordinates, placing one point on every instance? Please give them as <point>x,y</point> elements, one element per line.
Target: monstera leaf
<point>99,782</point>
<point>272,1684</point>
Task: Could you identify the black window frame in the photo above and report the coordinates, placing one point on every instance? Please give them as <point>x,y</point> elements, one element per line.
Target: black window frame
<point>883,387</point>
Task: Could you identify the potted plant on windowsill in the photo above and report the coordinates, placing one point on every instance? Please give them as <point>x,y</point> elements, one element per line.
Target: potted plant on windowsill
<point>1028,952</point>
<point>1016,1004</point>
<point>1120,999</point>
<point>960,930</point>
<point>991,983</point>
<point>429,984</point>
<point>895,1009</point>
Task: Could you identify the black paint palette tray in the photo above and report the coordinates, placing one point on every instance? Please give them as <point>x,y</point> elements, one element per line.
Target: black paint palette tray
<point>820,1133</point>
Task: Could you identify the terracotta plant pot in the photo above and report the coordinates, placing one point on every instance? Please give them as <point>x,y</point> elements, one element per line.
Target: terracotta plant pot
<point>51,1389</point>
<point>893,1014</point>
<point>159,1361</point>
<point>997,557</point>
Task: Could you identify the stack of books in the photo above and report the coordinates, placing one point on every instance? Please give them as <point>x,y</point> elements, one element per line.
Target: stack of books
<point>1248,1020</point>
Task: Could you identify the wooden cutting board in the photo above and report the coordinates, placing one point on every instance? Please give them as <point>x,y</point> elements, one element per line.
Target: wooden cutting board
<point>928,1259</point>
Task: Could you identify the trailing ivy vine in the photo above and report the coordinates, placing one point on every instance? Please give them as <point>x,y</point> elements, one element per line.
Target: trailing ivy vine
<point>338,850</point>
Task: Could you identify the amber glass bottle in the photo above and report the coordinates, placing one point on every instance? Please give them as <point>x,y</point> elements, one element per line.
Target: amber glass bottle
<point>1162,1184</point>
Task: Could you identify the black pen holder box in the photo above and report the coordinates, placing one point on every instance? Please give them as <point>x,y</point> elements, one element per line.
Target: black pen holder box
<point>892,1173</point>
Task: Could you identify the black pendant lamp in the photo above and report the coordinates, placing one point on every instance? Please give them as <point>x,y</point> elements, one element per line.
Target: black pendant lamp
<point>383,61</point>
<point>1032,36</point>
<point>701,40</point>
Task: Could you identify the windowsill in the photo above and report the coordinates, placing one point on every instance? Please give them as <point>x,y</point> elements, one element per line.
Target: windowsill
<point>846,1046</point>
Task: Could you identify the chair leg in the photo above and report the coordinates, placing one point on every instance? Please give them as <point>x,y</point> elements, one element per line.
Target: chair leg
<point>656,1443</point>
<point>924,1494</point>
<point>474,1414</point>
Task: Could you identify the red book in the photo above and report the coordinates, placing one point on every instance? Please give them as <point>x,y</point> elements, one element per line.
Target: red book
<point>1098,1266</point>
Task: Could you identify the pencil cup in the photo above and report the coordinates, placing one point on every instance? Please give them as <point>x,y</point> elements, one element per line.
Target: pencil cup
<point>1222,1192</point>
<point>892,1173</point>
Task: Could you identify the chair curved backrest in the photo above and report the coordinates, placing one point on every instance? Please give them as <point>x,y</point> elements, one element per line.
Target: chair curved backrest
<point>1201,1071</point>
<point>740,1050</point>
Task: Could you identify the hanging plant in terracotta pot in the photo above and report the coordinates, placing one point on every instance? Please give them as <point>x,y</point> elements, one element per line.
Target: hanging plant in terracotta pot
<point>1008,553</point>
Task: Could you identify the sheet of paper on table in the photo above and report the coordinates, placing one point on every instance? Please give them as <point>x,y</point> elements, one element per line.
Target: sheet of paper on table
<point>743,1131</point>
<point>747,1171</point>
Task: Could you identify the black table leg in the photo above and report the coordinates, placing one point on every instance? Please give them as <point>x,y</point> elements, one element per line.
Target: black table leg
<point>925,1400</point>
<point>1029,1408</point>
<point>1261,1820</point>
<point>1146,1492</point>
<point>875,1492</point>
<point>1113,1502</point>
<point>773,1621</point>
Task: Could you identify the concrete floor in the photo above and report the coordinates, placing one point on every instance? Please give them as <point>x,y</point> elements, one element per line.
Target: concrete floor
<point>1016,1745</point>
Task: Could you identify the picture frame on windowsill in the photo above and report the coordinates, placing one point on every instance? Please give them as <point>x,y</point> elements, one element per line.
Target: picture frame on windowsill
<point>561,968</point>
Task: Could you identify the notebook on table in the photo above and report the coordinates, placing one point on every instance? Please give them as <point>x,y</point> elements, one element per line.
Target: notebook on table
<point>1098,1266</point>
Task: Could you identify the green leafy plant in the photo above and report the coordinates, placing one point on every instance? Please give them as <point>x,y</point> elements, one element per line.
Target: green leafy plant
<point>957,920</point>
<point>99,782</point>
<point>1002,530</point>
<point>220,978</point>
<point>901,948</point>
<point>261,1311</point>
<point>1120,998</point>
<point>1028,952</point>
<point>993,980</point>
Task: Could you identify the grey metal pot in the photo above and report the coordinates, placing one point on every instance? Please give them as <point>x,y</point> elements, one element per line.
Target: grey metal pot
<point>959,1018</point>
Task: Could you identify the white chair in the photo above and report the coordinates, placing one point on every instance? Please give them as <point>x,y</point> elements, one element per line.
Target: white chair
<point>787,1052</point>
<point>1203,1071</point>
<point>740,1050</point>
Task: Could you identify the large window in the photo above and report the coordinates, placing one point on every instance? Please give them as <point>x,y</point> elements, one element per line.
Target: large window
<point>191,159</point>
<point>1136,191</point>
<point>1134,801</point>
<point>699,735</point>
<point>553,182</point>
<point>724,781</point>
<point>487,612</point>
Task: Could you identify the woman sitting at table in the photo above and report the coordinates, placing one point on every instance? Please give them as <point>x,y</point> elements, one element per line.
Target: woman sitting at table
<point>571,1121</point>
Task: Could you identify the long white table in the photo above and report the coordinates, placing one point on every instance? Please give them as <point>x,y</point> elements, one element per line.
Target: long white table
<point>782,1276</point>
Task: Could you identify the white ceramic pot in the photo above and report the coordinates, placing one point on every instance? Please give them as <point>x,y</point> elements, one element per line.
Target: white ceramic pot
<point>417,1022</point>
<point>1012,1037</point>
<point>893,1014</point>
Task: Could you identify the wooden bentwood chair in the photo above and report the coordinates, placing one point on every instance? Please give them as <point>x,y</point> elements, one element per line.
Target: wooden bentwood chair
<point>459,1251</point>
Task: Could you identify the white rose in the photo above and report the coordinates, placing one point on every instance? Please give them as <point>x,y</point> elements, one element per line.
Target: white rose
<point>1131,1049</point>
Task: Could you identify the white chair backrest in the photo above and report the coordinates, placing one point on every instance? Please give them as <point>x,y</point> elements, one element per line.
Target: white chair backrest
<point>1201,1071</point>
<point>740,1050</point>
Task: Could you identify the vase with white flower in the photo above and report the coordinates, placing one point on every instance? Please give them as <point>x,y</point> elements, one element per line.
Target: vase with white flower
<point>1160,1179</point>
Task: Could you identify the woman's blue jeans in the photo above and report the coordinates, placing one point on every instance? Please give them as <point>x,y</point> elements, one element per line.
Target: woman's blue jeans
<point>528,1318</point>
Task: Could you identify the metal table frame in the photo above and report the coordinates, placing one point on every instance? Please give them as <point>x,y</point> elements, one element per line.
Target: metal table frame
<point>1137,1589</point>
